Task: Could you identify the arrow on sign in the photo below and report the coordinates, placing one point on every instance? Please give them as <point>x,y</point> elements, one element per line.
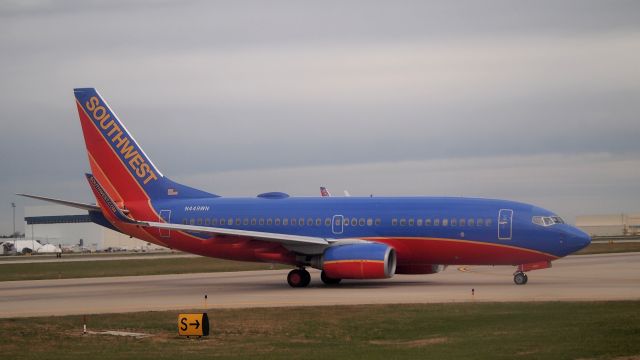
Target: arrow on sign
<point>197,324</point>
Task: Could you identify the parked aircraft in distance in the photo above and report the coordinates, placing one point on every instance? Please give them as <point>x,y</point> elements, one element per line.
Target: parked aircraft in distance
<point>325,193</point>
<point>346,237</point>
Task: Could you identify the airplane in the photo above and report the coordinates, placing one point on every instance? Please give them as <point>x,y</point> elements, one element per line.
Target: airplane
<point>345,238</point>
<point>325,193</point>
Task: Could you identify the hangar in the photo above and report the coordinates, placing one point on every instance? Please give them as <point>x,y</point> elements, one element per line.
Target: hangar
<point>72,229</point>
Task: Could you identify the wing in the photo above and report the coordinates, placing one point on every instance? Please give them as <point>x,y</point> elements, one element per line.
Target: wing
<point>284,239</point>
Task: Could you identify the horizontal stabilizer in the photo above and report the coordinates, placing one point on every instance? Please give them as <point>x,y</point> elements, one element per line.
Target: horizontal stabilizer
<point>106,200</point>
<point>83,206</point>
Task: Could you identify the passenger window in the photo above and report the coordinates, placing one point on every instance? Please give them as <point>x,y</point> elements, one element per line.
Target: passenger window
<point>199,221</point>
<point>269,221</point>
<point>207,221</point>
<point>462,222</point>
<point>253,221</point>
<point>411,222</point>
<point>223,221</point>
<point>436,222</point>
<point>230,221</point>
<point>427,222</point>
<point>245,221</point>
<point>487,222</point>
<point>445,222</point>
<point>378,222</point>
<point>277,221</point>
<point>337,220</point>
<point>470,222</point>
<point>184,221</point>
<point>237,221</point>
<point>419,222</point>
<point>403,222</point>
<point>394,222</point>
<point>261,221</point>
<point>285,221</point>
<point>480,222</point>
<point>354,221</point>
<point>327,222</point>
<point>361,221</point>
<point>294,221</point>
<point>454,222</point>
<point>369,221</point>
<point>318,221</point>
<point>309,222</point>
<point>192,221</point>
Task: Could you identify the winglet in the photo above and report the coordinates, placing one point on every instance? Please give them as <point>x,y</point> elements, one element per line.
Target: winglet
<point>105,200</point>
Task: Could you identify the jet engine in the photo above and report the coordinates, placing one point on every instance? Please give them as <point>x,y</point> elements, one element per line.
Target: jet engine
<point>358,261</point>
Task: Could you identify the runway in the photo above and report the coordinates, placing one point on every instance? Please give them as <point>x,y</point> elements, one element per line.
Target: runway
<point>575,278</point>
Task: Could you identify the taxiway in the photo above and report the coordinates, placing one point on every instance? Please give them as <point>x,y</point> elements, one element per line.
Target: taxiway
<point>575,278</point>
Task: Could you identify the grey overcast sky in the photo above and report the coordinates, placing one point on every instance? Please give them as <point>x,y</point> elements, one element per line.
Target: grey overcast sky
<point>535,101</point>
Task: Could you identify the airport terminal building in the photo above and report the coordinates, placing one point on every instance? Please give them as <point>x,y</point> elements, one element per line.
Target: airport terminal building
<point>72,229</point>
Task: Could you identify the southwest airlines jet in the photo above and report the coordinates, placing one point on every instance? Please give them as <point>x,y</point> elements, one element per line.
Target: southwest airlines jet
<point>346,237</point>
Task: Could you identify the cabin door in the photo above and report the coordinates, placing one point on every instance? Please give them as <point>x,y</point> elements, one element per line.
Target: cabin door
<point>336,224</point>
<point>505,224</point>
<point>166,216</point>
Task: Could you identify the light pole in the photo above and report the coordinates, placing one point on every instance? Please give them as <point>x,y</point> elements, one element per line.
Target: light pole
<point>13,207</point>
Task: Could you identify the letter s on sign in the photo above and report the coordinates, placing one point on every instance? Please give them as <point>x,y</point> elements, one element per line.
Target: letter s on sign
<point>183,324</point>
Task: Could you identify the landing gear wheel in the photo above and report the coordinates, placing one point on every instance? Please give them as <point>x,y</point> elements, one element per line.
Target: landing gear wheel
<point>298,278</point>
<point>520,278</point>
<point>327,280</point>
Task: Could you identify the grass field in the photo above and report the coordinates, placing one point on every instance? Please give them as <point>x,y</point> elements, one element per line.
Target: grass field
<point>133,267</point>
<point>566,330</point>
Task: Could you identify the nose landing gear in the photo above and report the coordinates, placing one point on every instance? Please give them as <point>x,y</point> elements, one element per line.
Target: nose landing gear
<point>520,278</point>
<point>298,278</point>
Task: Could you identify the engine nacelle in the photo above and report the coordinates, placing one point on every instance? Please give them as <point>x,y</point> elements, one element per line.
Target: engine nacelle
<point>359,261</point>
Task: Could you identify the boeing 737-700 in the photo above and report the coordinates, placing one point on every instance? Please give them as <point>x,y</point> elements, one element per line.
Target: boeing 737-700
<point>345,237</point>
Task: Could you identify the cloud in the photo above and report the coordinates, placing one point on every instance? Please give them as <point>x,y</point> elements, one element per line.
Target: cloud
<point>568,184</point>
<point>242,86</point>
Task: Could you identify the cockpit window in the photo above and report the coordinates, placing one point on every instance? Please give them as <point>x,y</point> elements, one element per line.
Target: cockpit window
<point>547,220</point>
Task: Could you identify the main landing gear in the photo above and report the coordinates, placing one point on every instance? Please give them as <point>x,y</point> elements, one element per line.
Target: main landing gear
<point>298,278</point>
<point>520,278</point>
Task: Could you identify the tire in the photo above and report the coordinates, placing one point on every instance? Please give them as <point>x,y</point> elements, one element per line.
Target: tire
<point>327,280</point>
<point>298,278</point>
<point>306,278</point>
<point>520,278</point>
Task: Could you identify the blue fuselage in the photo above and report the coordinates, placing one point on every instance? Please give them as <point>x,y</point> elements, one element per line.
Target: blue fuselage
<point>469,219</point>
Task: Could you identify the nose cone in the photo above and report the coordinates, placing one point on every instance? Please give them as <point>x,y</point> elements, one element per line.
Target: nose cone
<point>576,239</point>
